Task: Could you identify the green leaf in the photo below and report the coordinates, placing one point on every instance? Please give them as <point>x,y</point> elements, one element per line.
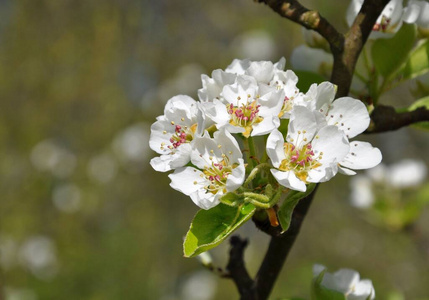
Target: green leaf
<point>417,63</point>
<point>210,227</point>
<point>306,79</point>
<point>389,54</point>
<point>422,102</point>
<point>292,199</point>
<point>319,292</point>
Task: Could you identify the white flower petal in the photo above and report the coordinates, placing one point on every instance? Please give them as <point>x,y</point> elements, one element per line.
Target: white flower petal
<point>362,155</point>
<point>205,200</point>
<point>262,71</point>
<point>333,143</point>
<point>182,156</point>
<point>342,280</point>
<point>161,163</point>
<point>317,269</point>
<point>201,152</point>
<point>187,180</point>
<point>238,66</point>
<point>274,147</point>
<point>362,291</point>
<point>228,145</point>
<point>159,140</point>
<point>236,178</point>
<point>346,171</point>
<point>302,126</point>
<point>350,115</point>
<point>325,94</point>
<point>289,180</point>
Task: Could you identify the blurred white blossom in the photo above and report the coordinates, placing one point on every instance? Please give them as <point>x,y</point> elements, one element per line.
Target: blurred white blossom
<point>102,168</point>
<point>406,173</point>
<point>254,45</point>
<point>49,156</point>
<point>200,285</point>
<point>304,58</point>
<point>19,294</point>
<point>361,191</point>
<point>38,254</point>
<point>67,197</point>
<point>131,146</point>
<point>347,282</point>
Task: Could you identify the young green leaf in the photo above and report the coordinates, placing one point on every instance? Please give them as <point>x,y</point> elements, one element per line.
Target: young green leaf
<point>389,54</point>
<point>417,63</point>
<point>210,227</point>
<point>292,199</point>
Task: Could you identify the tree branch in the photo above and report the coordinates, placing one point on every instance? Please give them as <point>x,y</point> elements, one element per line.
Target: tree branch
<point>310,19</point>
<point>345,58</point>
<point>385,118</point>
<point>279,248</point>
<point>237,269</point>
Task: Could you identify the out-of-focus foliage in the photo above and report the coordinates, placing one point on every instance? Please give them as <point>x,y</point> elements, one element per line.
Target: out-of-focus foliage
<point>82,215</point>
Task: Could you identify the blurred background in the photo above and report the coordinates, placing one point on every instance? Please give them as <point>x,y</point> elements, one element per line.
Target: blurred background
<point>84,216</point>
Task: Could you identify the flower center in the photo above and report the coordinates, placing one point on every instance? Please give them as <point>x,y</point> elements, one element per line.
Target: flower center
<point>181,135</point>
<point>383,25</point>
<point>217,174</point>
<point>287,106</point>
<point>245,115</point>
<point>300,161</point>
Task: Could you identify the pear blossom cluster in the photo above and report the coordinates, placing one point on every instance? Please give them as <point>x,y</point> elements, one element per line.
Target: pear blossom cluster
<point>309,134</point>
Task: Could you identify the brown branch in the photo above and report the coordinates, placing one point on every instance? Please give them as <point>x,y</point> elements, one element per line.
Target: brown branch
<point>385,118</point>
<point>345,58</point>
<point>279,248</point>
<point>310,19</point>
<point>237,269</point>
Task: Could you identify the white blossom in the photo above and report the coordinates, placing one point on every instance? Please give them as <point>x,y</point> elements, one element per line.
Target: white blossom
<point>347,282</point>
<point>406,173</point>
<point>387,24</point>
<point>309,155</point>
<point>361,191</point>
<point>219,169</point>
<point>305,58</point>
<point>173,132</point>
<point>417,12</point>
<point>244,110</point>
<point>350,116</point>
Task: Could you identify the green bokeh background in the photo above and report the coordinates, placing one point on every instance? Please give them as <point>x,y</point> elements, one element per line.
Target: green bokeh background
<point>89,77</point>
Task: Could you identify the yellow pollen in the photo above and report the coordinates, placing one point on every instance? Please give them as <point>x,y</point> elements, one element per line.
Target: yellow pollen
<point>195,182</point>
<point>299,131</point>
<point>304,131</point>
<point>172,123</point>
<point>219,146</point>
<point>238,98</point>
<point>164,132</point>
<point>183,119</point>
